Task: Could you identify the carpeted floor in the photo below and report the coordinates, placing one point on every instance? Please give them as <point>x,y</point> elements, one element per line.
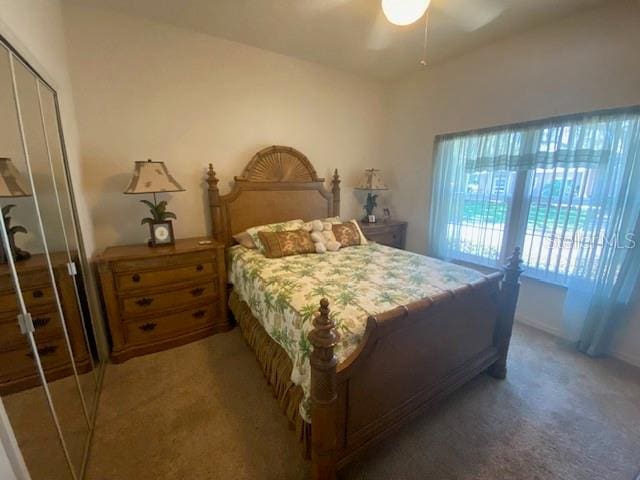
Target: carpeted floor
<point>35,431</point>
<point>204,411</point>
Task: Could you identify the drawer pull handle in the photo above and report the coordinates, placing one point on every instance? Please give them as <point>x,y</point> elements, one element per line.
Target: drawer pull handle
<point>38,294</point>
<point>144,302</point>
<point>40,322</point>
<point>44,351</point>
<point>196,292</point>
<point>199,267</point>
<point>199,313</point>
<point>135,278</point>
<point>147,327</point>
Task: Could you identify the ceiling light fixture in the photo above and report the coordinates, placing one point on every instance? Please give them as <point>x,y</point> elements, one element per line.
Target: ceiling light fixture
<point>404,12</point>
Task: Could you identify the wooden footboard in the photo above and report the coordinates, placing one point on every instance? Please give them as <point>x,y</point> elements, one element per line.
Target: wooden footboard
<point>410,358</point>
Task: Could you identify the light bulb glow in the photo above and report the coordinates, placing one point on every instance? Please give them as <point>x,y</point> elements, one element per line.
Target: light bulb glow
<point>404,12</point>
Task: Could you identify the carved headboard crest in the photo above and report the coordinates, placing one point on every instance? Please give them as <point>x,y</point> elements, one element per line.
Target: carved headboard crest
<point>279,183</point>
<point>279,164</point>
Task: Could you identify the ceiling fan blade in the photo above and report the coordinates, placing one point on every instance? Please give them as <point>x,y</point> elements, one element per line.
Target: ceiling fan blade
<point>471,15</point>
<point>380,35</point>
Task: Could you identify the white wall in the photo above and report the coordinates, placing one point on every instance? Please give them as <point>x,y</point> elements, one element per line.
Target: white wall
<point>149,90</point>
<point>582,63</point>
<point>36,29</point>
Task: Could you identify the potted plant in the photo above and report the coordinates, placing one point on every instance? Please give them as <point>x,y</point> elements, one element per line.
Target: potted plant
<point>17,253</point>
<point>160,226</point>
<point>370,206</point>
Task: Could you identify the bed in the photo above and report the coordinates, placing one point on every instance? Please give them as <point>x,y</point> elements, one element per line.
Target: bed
<point>355,343</point>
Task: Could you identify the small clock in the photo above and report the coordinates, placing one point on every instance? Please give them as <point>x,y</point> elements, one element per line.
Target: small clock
<point>161,234</point>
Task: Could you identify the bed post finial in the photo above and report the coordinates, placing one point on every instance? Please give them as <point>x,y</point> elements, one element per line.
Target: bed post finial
<point>335,188</point>
<point>509,290</point>
<point>324,395</point>
<point>214,205</point>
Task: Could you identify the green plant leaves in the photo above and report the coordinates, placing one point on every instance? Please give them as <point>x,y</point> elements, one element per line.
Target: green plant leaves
<point>149,204</point>
<point>6,209</point>
<point>159,212</point>
<point>7,221</point>
<point>16,229</point>
<point>371,203</point>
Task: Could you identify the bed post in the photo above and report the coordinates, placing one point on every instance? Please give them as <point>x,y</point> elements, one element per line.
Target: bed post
<point>509,289</point>
<point>324,338</point>
<point>214,206</point>
<point>335,188</point>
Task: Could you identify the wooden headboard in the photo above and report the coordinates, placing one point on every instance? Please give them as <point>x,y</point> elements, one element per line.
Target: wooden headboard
<point>278,184</point>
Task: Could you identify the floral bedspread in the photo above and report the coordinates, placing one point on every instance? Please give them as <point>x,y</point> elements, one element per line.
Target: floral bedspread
<point>284,293</point>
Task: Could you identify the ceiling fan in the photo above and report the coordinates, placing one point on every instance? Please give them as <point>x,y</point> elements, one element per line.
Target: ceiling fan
<point>468,15</point>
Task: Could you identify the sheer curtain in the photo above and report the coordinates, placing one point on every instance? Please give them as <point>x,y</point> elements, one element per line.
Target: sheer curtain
<point>567,191</point>
<point>608,265</point>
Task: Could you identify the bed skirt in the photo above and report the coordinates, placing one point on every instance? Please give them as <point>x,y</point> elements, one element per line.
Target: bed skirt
<point>277,367</point>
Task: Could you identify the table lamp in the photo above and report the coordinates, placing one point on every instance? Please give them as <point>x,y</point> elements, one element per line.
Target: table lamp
<point>371,181</point>
<point>153,177</point>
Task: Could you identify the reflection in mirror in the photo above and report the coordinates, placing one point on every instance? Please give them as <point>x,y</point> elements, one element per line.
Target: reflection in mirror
<point>23,395</point>
<point>88,376</point>
<point>64,347</point>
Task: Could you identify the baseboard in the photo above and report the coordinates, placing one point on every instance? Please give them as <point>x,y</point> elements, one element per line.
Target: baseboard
<point>556,332</point>
<point>626,358</point>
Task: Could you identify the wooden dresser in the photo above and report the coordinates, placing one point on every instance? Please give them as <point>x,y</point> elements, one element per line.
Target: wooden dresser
<point>392,233</point>
<point>17,367</point>
<point>160,297</point>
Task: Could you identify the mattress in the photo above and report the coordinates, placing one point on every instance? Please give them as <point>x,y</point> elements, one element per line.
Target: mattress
<point>284,293</point>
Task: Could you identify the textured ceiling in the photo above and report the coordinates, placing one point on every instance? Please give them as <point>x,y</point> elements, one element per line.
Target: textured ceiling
<point>353,34</point>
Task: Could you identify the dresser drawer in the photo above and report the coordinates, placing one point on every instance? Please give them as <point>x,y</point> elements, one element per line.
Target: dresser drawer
<point>34,298</point>
<point>29,279</point>
<point>390,238</point>
<point>157,327</point>
<point>152,302</point>
<point>152,278</point>
<point>18,363</point>
<point>162,262</point>
<point>46,324</point>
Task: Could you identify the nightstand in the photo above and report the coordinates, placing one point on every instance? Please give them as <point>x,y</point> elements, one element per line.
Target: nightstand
<point>17,371</point>
<point>392,233</point>
<point>161,297</point>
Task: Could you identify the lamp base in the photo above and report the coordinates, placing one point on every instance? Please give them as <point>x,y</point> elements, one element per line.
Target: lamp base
<point>16,253</point>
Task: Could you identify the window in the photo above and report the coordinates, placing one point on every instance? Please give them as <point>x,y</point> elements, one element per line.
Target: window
<point>553,188</point>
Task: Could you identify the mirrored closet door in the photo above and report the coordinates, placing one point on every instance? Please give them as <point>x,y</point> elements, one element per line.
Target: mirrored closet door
<point>49,362</point>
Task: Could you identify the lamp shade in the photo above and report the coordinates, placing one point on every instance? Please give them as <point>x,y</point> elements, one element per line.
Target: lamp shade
<point>152,177</point>
<point>372,180</point>
<point>12,183</point>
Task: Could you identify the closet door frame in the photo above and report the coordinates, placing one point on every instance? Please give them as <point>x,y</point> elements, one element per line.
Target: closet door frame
<point>24,318</point>
<point>6,433</point>
<point>8,41</point>
<point>9,444</point>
